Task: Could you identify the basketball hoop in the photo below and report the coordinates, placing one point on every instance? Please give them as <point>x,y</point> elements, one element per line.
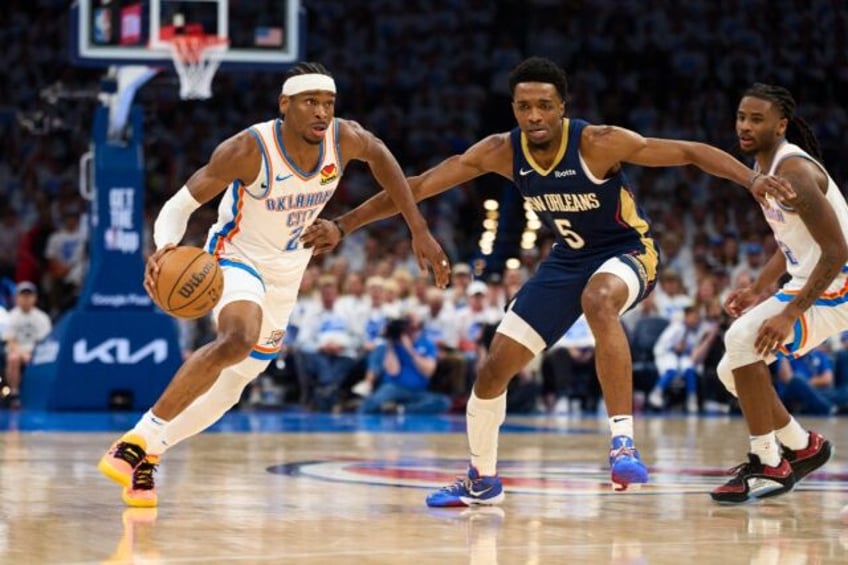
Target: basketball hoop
<point>196,58</point>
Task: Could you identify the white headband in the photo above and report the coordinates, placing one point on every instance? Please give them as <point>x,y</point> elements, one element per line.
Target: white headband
<point>305,83</point>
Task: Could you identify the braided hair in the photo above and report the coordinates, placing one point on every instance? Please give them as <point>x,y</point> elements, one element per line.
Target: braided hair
<point>798,130</point>
<point>306,68</point>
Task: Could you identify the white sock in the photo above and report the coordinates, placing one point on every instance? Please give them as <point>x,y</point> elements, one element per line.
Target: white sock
<point>206,409</point>
<point>793,435</point>
<point>484,419</point>
<point>621,425</point>
<point>765,447</point>
<point>150,428</point>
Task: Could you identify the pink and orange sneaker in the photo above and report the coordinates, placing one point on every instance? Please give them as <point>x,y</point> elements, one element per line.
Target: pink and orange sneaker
<point>142,492</point>
<point>123,458</point>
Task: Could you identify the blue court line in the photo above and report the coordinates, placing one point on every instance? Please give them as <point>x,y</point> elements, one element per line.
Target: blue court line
<point>275,422</point>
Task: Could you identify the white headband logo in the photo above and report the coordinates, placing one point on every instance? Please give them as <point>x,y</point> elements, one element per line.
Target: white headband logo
<point>305,83</point>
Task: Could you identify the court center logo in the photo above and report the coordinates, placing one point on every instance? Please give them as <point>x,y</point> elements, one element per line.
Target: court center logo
<point>531,477</point>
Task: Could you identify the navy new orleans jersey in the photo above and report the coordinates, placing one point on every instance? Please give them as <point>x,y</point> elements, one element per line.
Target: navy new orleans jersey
<point>590,217</point>
<point>594,220</point>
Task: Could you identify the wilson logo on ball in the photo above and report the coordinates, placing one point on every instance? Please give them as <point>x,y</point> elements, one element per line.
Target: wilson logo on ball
<point>187,289</point>
<point>190,282</point>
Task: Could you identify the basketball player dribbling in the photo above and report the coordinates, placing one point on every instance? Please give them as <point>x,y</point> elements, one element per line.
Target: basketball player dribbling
<point>604,260</point>
<point>277,175</point>
<point>811,229</point>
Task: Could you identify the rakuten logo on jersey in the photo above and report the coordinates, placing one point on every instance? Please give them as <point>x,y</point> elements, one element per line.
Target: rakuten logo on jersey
<point>118,351</point>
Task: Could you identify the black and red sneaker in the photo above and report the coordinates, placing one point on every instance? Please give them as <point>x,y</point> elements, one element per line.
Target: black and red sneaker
<point>805,461</point>
<point>753,480</point>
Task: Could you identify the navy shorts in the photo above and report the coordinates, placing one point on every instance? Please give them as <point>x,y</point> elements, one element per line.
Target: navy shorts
<point>550,301</point>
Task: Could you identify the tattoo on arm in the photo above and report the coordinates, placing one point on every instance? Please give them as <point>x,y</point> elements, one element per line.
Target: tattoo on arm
<point>817,215</point>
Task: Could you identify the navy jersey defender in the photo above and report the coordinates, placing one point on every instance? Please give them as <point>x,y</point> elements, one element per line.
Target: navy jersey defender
<point>593,220</point>
<point>604,260</point>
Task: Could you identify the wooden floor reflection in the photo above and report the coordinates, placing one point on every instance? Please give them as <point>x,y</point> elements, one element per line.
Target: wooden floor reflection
<point>358,498</point>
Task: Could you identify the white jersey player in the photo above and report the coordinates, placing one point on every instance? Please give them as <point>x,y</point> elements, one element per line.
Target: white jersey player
<point>276,176</point>
<point>811,229</point>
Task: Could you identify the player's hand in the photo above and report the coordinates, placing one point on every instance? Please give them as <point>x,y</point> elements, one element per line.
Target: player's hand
<point>740,300</point>
<point>777,187</point>
<point>322,236</point>
<point>151,269</point>
<point>773,333</point>
<point>428,251</point>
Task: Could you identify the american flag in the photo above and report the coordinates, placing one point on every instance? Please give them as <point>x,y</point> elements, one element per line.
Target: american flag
<point>268,37</point>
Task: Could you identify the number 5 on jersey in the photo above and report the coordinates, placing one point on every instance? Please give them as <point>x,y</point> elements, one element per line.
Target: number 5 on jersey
<point>570,236</point>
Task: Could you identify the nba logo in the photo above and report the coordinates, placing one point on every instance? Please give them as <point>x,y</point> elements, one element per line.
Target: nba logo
<point>103,25</point>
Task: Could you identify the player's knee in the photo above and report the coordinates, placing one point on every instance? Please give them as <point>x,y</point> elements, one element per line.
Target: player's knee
<point>231,348</point>
<point>599,302</point>
<point>490,380</point>
<point>739,345</point>
<point>725,375</point>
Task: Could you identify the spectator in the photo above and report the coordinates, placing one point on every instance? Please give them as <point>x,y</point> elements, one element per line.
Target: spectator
<point>402,367</point>
<point>474,315</point>
<point>66,261</point>
<point>354,301</point>
<point>714,396</point>
<point>327,340</point>
<point>679,351</point>
<point>27,325</point>
<point>440,325</point>
<point>460,279</point>
<point>670,295</point>
<point>753,262</point>
<point>802,383</point>
<point>568,372</point>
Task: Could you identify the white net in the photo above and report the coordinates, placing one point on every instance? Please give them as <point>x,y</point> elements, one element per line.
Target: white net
<point>196,58</point>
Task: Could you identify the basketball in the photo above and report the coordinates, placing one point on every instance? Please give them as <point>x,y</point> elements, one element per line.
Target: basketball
<point>189,284</point>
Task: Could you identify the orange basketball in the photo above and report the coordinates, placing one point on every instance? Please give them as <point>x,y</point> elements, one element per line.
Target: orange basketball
<point>190,282</point>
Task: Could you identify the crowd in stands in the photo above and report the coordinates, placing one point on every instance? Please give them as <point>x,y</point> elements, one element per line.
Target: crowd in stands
<point>429,77</point>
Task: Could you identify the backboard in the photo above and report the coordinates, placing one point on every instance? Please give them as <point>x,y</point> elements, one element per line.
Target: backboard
<point>261,33</point>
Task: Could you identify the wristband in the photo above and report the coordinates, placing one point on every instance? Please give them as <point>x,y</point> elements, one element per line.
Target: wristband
<point>171,223</point>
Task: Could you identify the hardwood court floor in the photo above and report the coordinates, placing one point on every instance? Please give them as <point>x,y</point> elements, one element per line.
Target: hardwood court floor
<point>354,493</point>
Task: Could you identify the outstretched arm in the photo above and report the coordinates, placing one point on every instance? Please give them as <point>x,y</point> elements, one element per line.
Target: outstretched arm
<point>669,153</point>
<point>363,145</point>
<point>451,172</point>
<point>380,206</point>
<point>605,147</point>
<point>492,154</point>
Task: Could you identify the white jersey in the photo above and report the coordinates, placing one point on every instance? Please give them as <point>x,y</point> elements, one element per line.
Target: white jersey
<point>794,239</point>
<point>259,225</point>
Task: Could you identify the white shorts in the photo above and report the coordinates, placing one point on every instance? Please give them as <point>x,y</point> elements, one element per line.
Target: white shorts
<point>825,318</point>
<point>276,300</point>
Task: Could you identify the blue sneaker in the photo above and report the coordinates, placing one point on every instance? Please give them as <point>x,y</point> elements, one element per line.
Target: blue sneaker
<point>625,466</point>
<point>467,491</point>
